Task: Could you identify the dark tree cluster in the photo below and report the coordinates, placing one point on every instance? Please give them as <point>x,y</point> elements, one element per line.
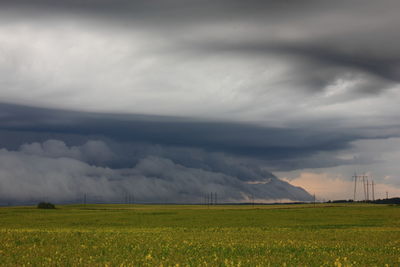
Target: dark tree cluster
<point>46,205</point>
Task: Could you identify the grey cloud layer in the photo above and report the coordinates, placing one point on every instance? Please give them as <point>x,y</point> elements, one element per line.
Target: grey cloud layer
<point>56,172</point>
<point>322,64</point>
<point>270,61</point>
<point>95,152</point>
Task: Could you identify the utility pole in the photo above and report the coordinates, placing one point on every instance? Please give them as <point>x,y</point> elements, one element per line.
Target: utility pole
<point>355,186</point>
<point>387,195</point>
<point>367,190</point>
<point>373,191</point>
<point>131,199</point>
<point>84,200</point>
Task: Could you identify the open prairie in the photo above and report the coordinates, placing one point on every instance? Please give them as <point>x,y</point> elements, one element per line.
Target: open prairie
<point>195,235</point>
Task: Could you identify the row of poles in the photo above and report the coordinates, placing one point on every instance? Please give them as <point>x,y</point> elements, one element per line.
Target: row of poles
<point>128,199</point>
<point>366,184</point>
<point>210,198</point>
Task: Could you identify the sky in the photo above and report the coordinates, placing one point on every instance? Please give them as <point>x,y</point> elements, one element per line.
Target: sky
<point>171,100</point>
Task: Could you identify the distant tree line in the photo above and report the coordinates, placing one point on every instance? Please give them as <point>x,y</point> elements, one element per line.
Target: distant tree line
<point>394,200</point>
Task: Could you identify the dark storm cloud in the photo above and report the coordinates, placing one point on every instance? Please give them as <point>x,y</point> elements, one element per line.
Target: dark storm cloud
<point>314,57</point>
<point>278,148</point>
<point>235,138</point>
<point>135,158</point>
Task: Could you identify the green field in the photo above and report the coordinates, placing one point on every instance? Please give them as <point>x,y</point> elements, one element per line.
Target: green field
<point>176,235</point>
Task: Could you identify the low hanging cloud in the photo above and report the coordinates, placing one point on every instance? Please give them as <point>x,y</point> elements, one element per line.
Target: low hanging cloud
<point>93,151</point>
<point>51,170</point>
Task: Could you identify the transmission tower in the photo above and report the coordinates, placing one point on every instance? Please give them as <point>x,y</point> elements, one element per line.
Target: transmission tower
<point>364,180</point>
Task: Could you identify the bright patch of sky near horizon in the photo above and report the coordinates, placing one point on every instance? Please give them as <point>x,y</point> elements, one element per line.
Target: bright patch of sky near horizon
<point>338,182</point>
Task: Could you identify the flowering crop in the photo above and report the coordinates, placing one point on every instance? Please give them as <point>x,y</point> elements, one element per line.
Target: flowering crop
<point>121,235</point>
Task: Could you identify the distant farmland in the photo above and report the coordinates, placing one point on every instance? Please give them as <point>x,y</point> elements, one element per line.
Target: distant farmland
<point>349,234</point>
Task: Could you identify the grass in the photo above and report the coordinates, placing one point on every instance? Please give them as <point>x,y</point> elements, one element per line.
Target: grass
<point>178,235</point>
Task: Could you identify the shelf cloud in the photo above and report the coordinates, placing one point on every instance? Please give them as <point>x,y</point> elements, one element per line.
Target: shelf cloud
<point>53,171</point>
